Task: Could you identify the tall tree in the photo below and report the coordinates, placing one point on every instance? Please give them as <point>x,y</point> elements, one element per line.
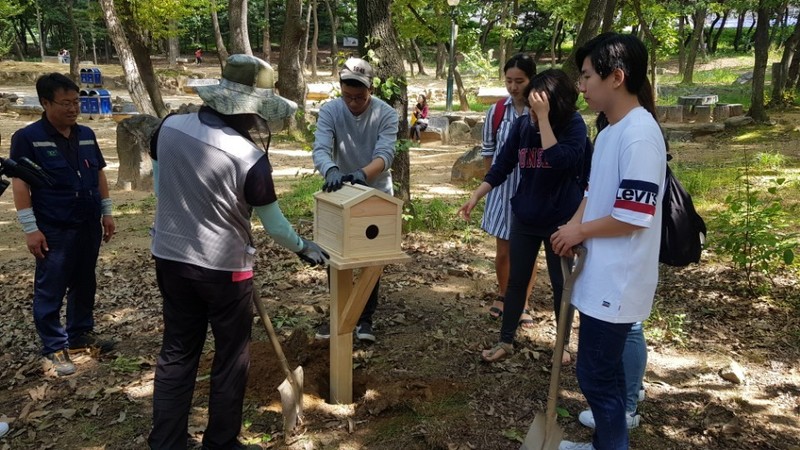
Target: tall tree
<point>757,110</point>
<point>291,81</point>
<point>222,51</point>
<point>591,23</point>
<point>314,38</point>
<point>698,18</point>
<point>136,88</point>
<point>76,42</point>
<point>266,43</point>
<point>237,19</point>
<point>608,15</point>
<point>377,35</point>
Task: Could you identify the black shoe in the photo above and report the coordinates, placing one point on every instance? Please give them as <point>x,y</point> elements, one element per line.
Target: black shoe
<point>91,340</point>
<point>364,332</point>
<point>323,331</point>
<point>60,362</point>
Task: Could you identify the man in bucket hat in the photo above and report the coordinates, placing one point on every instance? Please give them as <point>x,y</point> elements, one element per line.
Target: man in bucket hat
<point>354,142</point>
<point>209,175</point>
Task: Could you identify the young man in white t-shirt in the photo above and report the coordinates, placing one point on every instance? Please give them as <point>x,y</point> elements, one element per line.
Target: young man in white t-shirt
<point>619,223</point>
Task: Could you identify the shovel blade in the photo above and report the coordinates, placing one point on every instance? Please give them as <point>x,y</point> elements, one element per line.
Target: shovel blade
<point>540,437</point>
<point>292,399</point>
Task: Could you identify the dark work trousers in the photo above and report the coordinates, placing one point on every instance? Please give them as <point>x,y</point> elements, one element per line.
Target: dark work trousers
<point>372,301</point>
<point>525,244</point>
<point>67,268</point>
<point>189,306</point>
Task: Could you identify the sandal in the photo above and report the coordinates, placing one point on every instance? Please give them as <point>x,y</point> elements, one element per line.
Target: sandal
<point>494,311</point>
<point>499,352</point>
<point>526,323</point>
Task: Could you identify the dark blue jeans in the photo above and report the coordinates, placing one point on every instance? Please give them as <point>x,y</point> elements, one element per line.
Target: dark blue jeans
<point>68,268</point>
<point>601,377</point>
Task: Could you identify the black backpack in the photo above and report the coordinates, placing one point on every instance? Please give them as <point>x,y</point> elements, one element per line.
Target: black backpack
<point>683,231</point>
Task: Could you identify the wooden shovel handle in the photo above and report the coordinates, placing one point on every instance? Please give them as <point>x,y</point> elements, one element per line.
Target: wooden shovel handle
<point>262,312</point>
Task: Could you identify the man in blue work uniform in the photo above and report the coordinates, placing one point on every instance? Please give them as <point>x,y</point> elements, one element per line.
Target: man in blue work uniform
<point>63,221</point>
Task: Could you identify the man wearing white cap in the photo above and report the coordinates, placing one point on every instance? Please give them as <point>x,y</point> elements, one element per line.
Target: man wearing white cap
<point>209,175</point>
<point>354,142</point>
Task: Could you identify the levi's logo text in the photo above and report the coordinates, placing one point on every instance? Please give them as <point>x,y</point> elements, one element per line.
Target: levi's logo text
<point>637,196</point>
<point>532,158</point>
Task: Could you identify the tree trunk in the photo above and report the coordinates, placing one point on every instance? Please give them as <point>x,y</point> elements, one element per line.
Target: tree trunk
<point>757,110</point>
<point>418,57</point>
<point>441,55</point>
<point>266,44</point>
<point>332,6</point>
<point>314,39</point>
<point>681,45</point>
<point>789,48</point>
<point>132,79</point>
<point>173,44</point>
<point>794,69</point>
<point>291,82</point>
<point>304,55</point>
<point>698,18</point>
<point>737,38</point>
<point>74,59</point>
<point>591,23</point>
<point>237,19</point>
<point>39,29</point>
<point>608,15</point>
<point>556,30</point>
<point>501,51</point>
<point>512,24</point>
<point>718,33</point>
<point>374,21</point>
<point>222,51</point>
<point>462,93</point>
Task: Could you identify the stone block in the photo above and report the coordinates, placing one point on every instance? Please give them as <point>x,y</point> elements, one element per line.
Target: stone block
<point>468,166</point>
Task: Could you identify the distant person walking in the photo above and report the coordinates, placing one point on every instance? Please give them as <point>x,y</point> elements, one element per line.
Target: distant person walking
<point>198,56</point>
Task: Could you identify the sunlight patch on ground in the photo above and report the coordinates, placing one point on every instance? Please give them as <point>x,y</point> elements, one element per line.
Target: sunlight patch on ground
<point>431,191</point>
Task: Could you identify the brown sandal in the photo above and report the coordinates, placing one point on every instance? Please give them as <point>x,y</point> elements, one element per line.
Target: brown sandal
<point>494,354</point>
<point>494,311</point>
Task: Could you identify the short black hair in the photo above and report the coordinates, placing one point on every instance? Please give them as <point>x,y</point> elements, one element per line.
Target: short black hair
<point>522,62</point>
<point>561,93</point>
<point>354,83</point>
<point>611,51</point>
<point>48,84</point>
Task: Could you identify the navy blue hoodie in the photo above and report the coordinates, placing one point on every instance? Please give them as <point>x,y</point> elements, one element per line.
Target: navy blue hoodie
<point>552,180</point>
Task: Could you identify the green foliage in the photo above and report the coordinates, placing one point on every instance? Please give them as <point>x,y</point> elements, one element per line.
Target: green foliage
<point>299,202</point>
<point>437,214</point>
<point>665,327</point>
<point>754,230</point>
<point>125,365</point>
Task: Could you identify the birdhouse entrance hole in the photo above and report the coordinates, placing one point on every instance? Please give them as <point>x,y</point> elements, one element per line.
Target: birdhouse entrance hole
<point>372,232</point>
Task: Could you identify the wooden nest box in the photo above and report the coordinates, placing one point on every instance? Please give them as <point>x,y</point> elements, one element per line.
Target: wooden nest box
<point>359,226</point>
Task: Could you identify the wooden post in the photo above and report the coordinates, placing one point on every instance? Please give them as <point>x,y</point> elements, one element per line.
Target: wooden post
<point>702,113</point>
<point>721,112</point>
<point>675,114</point>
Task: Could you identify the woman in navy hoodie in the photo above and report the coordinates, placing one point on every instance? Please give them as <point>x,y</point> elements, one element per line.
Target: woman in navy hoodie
<point>553,151</point>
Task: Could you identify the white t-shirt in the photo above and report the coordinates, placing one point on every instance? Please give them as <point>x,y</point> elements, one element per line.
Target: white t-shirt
<point>620,274</point>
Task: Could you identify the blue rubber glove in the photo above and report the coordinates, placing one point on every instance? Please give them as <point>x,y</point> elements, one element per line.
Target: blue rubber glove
<point>357,177</point>
<point>313,254</point>
<point>333,180</point>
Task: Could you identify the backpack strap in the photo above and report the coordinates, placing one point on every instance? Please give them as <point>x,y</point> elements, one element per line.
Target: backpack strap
<point>499,112</point>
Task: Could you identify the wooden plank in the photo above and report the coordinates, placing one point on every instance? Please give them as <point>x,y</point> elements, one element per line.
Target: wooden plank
<point>375,206</point>
<point>341,341</point>
<point>354,305</point>
<point>338,262</point>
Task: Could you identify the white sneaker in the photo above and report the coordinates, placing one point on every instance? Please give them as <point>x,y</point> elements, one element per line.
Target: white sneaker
<point>587,419</point>
<point>3,429</point>
<point>569,445</point>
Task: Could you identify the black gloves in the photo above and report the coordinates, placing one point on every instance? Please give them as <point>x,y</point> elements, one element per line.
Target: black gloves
<point>312,253</point>
<point>357,177</point>
<point>333,180</point>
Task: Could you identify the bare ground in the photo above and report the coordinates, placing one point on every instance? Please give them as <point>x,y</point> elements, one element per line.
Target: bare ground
<point>422,385</point>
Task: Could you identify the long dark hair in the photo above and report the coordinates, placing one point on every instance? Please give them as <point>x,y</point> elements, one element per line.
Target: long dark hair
<point>522,62</point>
<point>611,51</point>
<point>561,94</point>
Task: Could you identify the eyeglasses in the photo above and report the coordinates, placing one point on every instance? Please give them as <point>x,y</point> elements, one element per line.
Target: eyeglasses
<point>351,99</point>
<point>67,104</point>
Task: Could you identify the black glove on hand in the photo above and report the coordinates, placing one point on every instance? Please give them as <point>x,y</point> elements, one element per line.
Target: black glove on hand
<point>357,177</point>
<point>312,253</point>
<point>333,180</point>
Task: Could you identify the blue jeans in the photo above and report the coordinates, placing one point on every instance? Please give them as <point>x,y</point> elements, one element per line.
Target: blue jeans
<point>601,377</point>
<point>634,362</point>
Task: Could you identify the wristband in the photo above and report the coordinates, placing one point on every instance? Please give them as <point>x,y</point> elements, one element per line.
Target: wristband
<point>27,219</point>
<point>106,206</point>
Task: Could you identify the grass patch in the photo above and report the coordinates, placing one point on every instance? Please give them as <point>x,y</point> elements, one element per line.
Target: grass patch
<point>437,416</point>
<point>143,206</point>
<point>298,203</point>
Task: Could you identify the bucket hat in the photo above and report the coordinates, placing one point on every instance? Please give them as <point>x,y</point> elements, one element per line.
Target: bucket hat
<point>359,70</point>
<point>246,87</point>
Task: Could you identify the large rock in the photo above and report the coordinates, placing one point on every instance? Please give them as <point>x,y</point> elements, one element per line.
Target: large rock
<point>133,146</point>
<point>468,166</point>
<point>477,131</point>
<point>459,131</point>
<point>738,121</point>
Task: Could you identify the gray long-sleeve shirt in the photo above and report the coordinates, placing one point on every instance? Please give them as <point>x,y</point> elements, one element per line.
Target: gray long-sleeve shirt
<point>352,142</point>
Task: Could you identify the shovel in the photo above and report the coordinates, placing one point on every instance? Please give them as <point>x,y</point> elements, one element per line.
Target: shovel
<point>292,387</point>
<point>544,433</point>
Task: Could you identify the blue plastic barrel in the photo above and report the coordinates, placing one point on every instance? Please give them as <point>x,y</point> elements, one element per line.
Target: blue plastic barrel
<point>86,76</point>
<point>84,99</point>
<point>105,101</point>
<point>94,102</point>
<point>97,77</point>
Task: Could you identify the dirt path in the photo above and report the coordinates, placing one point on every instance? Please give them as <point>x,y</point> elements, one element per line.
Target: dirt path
<point>421,386</point>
